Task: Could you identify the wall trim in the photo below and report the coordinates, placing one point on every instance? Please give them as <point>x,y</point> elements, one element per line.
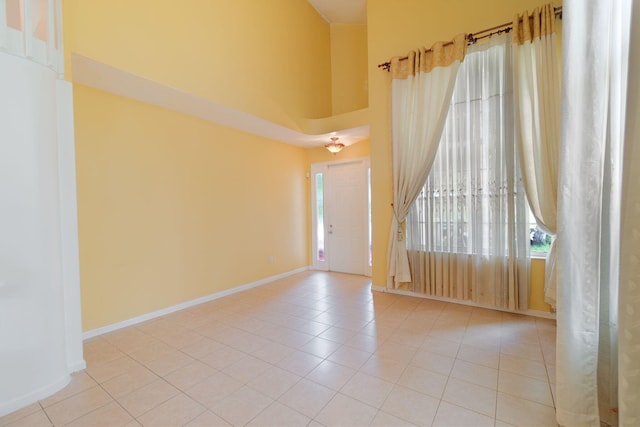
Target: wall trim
<point>353,126</point>
<point>29,398</point>
<point>528,312</point>
<point>164,311</point>
<point>77,365</point>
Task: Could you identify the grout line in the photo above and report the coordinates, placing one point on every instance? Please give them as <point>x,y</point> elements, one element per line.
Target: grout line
<point>45,413</point>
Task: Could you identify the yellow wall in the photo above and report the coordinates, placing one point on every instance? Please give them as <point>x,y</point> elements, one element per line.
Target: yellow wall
<point>354,151</point>
<point>172,208</point>
<point>536,292</point>
<point>268,58</point>
<point>349,77</point>
<point>394,28</point>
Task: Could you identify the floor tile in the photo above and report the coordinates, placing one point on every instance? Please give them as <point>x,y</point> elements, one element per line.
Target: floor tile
<point>176,411</point>
<point>345,411</point>
<point>526,367</point>
<point>368,389</point>
<point>525,387</point>
<point>279,415</point>
<point>300,363</point>
<point>129,381</point>
<point>129,339</point>
<point>80,381</point>
<point>189,375</point>
<point>181,339</point>
<point>524,413</point>
<point>151,352</point>
<point>403,354</point>
<point>241,406</point>
<point>551,373</point>
<point>383,419</point>
<point>336,334</point>
<point>475,374</point>
<point>109,370</point>
<point>441,346</point>
<point>470,396</point>
<point>310,349</point>
<point>450,415</point>
<point>434,362</point>
<point>424,381</point>
<point>77,405</point>
<point>208,419</point>
<point>479,356</point>
<point>21,413</point>
<point>214,388</point>
<point>411,406</point>
<point>201,347</point>
<point>110,415</point>
<point>169,362</point>
<point>386,369</point>
<point>148,397</point>
<point>274,382</point>
<point>307,397</point>
<point>247,369</point>
<point>525,350</point>
<point>350,357</point>
<point>331,374</point>
<point>309,327</point>
<point>364,342</point>
<point>223,357</point>
<point>273,352</point>
<point>320,347</point>
<point>35,419</point>
<point>97,351</point>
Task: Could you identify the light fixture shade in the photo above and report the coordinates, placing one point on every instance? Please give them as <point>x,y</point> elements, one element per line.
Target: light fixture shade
<point>334,147</point>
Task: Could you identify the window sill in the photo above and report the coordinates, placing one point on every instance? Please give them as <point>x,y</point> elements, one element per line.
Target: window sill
<point>538,255</point>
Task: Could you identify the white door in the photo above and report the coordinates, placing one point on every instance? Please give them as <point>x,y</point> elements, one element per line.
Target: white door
<point>341,216</point>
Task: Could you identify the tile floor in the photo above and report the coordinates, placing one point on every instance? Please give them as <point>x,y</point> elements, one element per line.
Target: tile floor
<point>314,349</point>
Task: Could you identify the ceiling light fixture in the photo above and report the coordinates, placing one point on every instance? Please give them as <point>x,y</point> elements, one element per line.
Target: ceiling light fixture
<point>334,147</point>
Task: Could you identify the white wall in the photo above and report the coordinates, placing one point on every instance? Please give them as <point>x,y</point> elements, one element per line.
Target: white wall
<point>40,338</point>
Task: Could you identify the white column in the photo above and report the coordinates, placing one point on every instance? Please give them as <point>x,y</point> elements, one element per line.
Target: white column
<point>39,286</point>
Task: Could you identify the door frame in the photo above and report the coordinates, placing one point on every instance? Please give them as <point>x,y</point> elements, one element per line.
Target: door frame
<point>323,167</point>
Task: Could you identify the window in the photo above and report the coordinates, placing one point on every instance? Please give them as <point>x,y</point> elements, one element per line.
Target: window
<point>468,231</point>
<point>539,240</point>
<point>319,182</point>
<point>473,201</point>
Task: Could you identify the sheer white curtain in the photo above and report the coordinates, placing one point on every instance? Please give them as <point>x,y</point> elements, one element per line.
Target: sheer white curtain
<point>467,233</point>
<point>420,95</point>
<point>537,94</point>
<point>596,257</point>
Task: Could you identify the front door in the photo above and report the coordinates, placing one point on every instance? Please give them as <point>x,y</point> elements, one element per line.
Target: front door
<point>341,216</point>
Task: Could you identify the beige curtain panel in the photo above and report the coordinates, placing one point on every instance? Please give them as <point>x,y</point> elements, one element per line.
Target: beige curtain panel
<point>441,54</point>
<point>537,109</point>
<point>421,89</point>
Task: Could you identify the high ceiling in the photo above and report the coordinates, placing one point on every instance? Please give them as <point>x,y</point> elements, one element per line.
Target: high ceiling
<point>342,11</point>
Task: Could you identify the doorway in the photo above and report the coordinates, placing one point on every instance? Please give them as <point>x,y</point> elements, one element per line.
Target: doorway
<point>341,224</point>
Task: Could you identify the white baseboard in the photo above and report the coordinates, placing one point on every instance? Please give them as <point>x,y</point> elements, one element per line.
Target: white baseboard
<point>34,396</point>
<point>76,366</point>
<point>533,313</point>
<point>164,311</point>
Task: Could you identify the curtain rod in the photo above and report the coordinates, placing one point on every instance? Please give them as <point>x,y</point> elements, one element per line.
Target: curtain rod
<point>472,38</point>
